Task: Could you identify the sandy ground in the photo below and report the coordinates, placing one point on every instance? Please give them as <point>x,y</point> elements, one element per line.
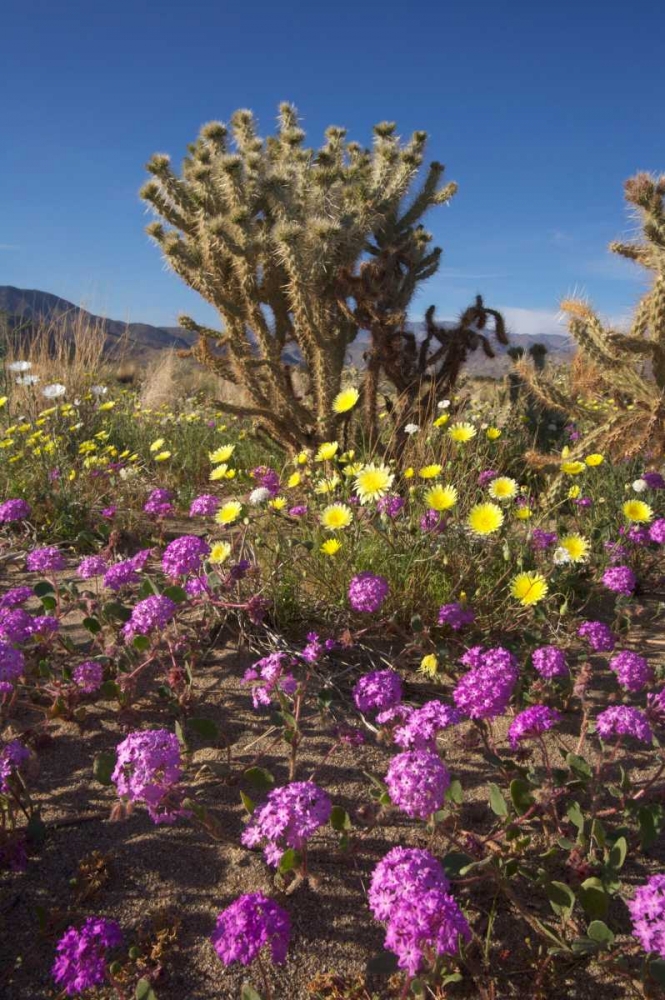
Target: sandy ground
<point>179,871</point>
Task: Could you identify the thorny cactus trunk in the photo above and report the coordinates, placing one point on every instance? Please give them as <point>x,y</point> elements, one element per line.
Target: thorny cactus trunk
<point>297,250</point>
<point>629,368</point>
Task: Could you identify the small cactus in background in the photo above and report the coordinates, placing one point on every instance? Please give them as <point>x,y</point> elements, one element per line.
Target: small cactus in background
<point>297,250</point>
<point>628,386</point>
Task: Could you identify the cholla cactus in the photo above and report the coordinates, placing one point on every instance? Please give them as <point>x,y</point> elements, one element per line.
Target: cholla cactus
<point>628,402</point>
<point>272,234</point>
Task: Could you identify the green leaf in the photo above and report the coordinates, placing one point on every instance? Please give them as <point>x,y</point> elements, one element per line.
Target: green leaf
<point>340,819</point>
<point>103,766</point>
<point>49,603</point>
<point>576,817</point>
<point>114,609</point>
<point>43,588</point>
<point>36,830</point>
<point>454,862</point>
<point>109,689</point>
<point>289,860</point>
<point>147,588</point>
<point>657,970</point>
<point>598,832</point>
<point>594,899</point>
<point>249,993</point>
<point>176,594</point>
<point>248,803</point>
<point>144,991</point>
<point>600,932</point>
<point>520,794</point>
<point>579,766</point>
<point>648,831</point>
<point>498,804</point>
<point>561,897</point>
<point>454,792</point>
<point>205,728</point>
<point>618,854</point>
<point>260,778</point>
<point>383,964</point>
<point>92,625</point>
<point>141,643</point>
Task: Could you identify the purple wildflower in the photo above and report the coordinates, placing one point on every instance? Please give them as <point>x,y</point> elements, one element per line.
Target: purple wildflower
<point>620,579</point>
<point>378,690</point>
<point>267,479</point>
<point>184,555</point>
<point>12,756</point>
<point>542,540</point>
<point>92,566</point>
<point>109,512</point>
<point>152,613</point>
<point>657,531</point>
<point>367,592</point>
<point>204,505</point>
<point>126,572</point>
<point>647,910</point>
<point>88,676</point>
<point>249,924</point>
<point>549,662</point>
<point>47,560</point>
<point>287,819</point>
<point>473,657</point>
<point>81,955</point>
<point>12,662</point>
<point>270,674</point>
<point>532,722</point>
<point>433,522</point>
<point>45,626</point>
<point>417,781</point>
<point>148,770</point>
<point>486,477</point>
<point>159,503</point>
<point>409,892</point>
<point>16,625</point>
<point>299,510</point>
<point>14,510</point>
<point>632,670</point>
<point>622,720</point>
<point>15,596</point>
<point>485,691</point>
<point>654,480</point>
<point>390,505</point>
<point>422,725</point>
<point>456,615</point>
<point>655,710</point>
<point>598,635</point>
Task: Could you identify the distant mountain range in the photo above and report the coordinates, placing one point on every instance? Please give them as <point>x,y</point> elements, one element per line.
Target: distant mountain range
<point>23,309</point>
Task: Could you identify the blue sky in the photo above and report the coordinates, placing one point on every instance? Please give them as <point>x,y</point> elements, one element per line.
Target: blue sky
<point>539,110</point>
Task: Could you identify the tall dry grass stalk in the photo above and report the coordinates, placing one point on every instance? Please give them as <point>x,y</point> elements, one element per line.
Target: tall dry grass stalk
<point>71,348</point>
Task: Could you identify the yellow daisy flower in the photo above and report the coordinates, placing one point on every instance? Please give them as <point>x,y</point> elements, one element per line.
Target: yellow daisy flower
<point>219,553</point>
<point>576,546</point>
<point>485,518</point>
<point>219,472</point>
<point>462,432</point>
<point>637,511</point>
<point>573,468</point>
<point>221,454</point>
<point>493,433</point>
<point>528,588</point>
<point>345,400</point>
<point>324,486</point>
<point>594,460</point>
<point>228,512</point>
<point>155,446</point>
<point>163,456</point>
<point>330,547</point>
<point>278,503</point>
<point>430,471</point>
<point>503,488</point>
<point>336,516</point>
<point>302,458</point>
<point>429,665</point>
<point>294,480</point>
<point>523,513</point>
<point>326,451</point>
<point>574,492</point>
<point>442,420</point>
<point>373,482</point>
<point>441,497</point>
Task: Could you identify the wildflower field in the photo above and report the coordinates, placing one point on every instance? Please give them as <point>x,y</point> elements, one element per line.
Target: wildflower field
<point>329,680</point>
<point>336,723</point>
